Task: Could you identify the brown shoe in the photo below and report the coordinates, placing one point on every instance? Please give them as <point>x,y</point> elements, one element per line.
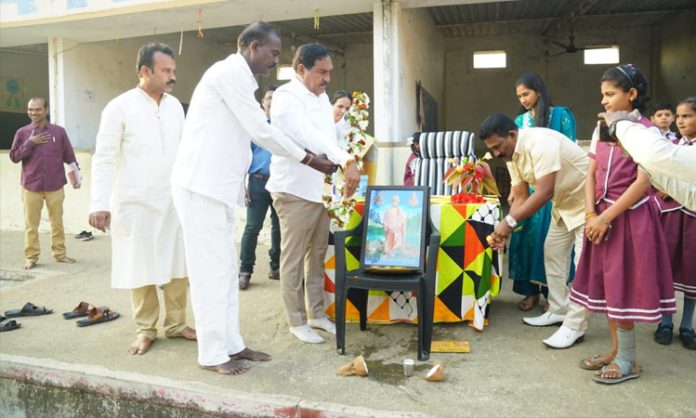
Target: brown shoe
<point>244,279</point>
<point>274,274</point>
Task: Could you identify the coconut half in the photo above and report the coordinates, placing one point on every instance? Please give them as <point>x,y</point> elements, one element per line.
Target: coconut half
<point>436,374</point>
<point>356,367</point>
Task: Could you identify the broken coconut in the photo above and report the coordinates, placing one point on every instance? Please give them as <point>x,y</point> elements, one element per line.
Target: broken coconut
<point>436,374</point>
<point>356,367</point>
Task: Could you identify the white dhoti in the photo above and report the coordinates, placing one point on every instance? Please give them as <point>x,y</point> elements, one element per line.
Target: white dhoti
<point>209,232</point>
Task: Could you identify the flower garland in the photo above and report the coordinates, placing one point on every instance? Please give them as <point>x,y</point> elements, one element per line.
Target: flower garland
<point>358,143</point>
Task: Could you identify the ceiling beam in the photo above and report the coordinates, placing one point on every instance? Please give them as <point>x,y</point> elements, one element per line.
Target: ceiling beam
<point>662,12</point>
<point>582,7</point>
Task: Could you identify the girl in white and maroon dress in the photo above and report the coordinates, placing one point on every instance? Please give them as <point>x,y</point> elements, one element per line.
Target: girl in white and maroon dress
<point>624,270</point>
<point>680,231</point>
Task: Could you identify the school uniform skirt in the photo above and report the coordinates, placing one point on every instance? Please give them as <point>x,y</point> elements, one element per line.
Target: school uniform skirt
<point>680,234</point>
<point>628,276</point>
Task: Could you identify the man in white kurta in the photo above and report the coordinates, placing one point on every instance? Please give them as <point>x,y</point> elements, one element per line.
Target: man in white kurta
<point>302,110</point>
<point>136,145</point>
<point>208,181</point>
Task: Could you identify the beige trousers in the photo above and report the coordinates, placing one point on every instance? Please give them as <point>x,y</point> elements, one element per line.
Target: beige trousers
<point>557,249</point>
<point>33,204</point>
<point>304,238</point>
<point>146,308</point>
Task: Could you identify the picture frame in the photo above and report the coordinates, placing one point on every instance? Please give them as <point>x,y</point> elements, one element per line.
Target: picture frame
<point>394,229</point>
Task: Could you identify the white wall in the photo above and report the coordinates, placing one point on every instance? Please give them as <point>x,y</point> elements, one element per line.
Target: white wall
<point>421,57</point>
<point>97,72</point>
<point>471,95</point>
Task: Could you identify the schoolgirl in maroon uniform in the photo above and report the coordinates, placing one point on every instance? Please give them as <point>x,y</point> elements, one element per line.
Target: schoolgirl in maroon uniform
<point>624,270</point>
<point>680,231</point>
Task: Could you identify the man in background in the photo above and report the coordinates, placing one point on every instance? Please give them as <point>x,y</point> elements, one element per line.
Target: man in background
<point>258,200</point>
<point>43,147</point>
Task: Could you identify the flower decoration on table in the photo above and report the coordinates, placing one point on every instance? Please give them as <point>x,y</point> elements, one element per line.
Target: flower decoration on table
<point>358,142</point>
<point>474,177</point>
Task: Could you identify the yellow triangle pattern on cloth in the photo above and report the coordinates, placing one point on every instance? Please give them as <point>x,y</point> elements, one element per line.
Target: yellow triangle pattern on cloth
<point>447,271</point>
<point>450,220</point>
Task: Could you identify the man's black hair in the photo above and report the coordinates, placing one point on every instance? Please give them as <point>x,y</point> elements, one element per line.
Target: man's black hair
<point>147,52</point>
<point>308,54</point>
<point>257,31</point>
<point>496,124</point>
<point>663,106</point>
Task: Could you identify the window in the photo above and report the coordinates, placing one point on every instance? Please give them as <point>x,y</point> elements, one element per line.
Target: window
<point>602,55</point>
<point>490,59</point>
<point>285,72</point>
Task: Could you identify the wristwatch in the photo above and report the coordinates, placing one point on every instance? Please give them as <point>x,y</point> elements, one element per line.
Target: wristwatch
<point>512,222</point>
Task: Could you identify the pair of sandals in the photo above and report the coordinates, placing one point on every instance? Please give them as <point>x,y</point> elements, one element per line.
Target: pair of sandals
<point>603,366</point>
<point>29,309</point>
<point>94,314</point>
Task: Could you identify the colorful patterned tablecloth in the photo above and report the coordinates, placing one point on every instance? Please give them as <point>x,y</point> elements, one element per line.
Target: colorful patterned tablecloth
<point>468,270</point>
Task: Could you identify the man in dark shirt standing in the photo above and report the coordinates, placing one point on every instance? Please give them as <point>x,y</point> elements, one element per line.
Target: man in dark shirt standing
<point>42,148</point>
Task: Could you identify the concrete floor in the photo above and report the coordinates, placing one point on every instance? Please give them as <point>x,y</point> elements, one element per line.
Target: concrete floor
<point>508,372</point>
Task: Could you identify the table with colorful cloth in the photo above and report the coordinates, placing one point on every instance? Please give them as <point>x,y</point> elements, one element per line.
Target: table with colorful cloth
<point>468,270</point>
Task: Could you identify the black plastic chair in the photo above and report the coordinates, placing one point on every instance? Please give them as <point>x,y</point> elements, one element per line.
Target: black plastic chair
<point>422,283</point>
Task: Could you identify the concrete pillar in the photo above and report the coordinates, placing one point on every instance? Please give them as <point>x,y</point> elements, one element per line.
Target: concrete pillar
<point>56,77</point>
<point>386,69</point>
<point>386,78</point>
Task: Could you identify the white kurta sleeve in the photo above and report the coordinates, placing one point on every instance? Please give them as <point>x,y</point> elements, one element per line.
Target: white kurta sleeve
<point>672,168</point>
<point>242,104</point>
<point>105,157</point>
<point>288,112</point>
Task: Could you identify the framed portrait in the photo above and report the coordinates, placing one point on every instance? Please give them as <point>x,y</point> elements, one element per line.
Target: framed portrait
<point>394,228</point>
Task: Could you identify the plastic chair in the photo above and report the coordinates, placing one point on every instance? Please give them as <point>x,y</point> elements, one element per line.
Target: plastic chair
<point>423,283</point>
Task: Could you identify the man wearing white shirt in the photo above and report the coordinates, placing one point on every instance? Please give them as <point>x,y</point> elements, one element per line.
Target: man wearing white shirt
<point>208,181</point>
<point>301,109</point>
<point>137,142</point>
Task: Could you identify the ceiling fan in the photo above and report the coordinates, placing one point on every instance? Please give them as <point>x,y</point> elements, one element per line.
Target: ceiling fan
<point>570,47</point>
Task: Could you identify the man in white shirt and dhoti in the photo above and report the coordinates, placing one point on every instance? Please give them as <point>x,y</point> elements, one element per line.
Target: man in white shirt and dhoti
<point>208,181</point>
<point>137,142</point>
<point>302,110</point>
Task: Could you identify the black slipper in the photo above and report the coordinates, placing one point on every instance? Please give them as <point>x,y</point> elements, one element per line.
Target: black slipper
<point>6,325</point>
<point>29,309</point>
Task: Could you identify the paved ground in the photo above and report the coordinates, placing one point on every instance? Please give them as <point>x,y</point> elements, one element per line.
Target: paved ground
<point>509,372</point>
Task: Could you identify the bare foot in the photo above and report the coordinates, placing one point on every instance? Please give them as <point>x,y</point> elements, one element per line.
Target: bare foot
<point>597,361</point>
<point>187,333</point>
<point>65,259</point>
<point>528,303</point>
<point>29,265</point>
<point>249,354</point>
<point>612,371</point>
<point>140,345</point>
<point>230,367</point>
